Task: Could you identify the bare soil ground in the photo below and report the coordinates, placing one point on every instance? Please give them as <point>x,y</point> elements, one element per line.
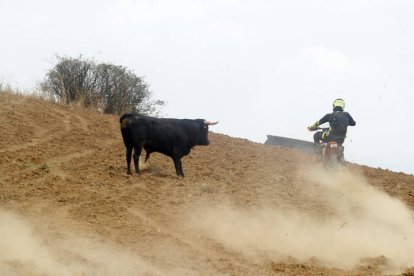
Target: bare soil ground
<point>67,206</point>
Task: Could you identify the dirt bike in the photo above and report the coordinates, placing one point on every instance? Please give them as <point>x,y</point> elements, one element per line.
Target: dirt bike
<point>331,154</point>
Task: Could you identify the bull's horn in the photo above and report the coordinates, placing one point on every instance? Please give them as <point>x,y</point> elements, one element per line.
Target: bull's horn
<point>210,123</point>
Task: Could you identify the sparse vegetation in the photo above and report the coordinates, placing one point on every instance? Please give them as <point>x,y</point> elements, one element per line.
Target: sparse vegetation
<point>6,88</point>
<point>112,89</point>
<point>26,165</point>
<point>45,167</point>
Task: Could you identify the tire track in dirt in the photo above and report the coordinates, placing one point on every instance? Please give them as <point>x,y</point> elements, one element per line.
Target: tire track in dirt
<point>61,124</point>
<point>31,164</point>
<point>41,134</point>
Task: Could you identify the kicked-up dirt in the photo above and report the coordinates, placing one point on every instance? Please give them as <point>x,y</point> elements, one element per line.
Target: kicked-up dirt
<point>67,206</point>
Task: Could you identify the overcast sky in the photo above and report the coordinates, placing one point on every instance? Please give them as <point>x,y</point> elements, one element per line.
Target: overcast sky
<point>259,67</point>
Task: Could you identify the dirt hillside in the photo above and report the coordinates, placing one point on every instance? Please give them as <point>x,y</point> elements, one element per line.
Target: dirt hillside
<point>67,206</point>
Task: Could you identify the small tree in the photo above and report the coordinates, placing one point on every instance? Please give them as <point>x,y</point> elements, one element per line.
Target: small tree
<point>122,90</point>
<point>69,79</point>
<point>110,88</point>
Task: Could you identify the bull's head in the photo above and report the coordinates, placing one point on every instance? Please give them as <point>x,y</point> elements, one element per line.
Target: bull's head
<point>204,131</point>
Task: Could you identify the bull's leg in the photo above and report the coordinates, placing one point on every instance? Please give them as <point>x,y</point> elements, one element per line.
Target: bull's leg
<point>147,155</point>
<point>137,154</point>
<point>128,158</point>
<point>178,166</point>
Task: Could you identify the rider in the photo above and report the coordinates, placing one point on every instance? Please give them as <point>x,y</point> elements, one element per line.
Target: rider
<point>338,120</point>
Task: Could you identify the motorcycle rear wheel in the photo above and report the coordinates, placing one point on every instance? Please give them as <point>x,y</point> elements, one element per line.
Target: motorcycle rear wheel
<point>331,162</point>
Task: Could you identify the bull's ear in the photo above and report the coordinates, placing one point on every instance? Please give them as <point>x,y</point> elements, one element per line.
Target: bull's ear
<point>201,123</point>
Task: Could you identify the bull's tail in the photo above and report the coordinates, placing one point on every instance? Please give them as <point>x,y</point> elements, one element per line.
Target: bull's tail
<point>127,118</point>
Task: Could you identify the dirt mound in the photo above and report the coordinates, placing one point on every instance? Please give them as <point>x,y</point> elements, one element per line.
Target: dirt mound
<point>67,206</point>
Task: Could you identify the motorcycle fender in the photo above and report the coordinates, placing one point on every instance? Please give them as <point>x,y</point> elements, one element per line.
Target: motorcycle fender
<point>332,148</point>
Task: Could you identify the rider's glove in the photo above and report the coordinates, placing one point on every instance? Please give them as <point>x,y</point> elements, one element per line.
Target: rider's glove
<point>312,128</point>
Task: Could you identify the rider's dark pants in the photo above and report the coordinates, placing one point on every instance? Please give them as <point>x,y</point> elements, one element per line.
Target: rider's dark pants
<point>319,136</point>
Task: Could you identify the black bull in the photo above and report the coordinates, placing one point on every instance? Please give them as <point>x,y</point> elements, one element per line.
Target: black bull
<point>172,137</point>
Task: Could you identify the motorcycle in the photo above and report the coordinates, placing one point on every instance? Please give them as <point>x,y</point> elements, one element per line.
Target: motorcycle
<point>331,154</point>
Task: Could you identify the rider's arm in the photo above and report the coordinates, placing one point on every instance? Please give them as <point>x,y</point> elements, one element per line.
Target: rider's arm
<point>323,120</point>
<point>351,121</point>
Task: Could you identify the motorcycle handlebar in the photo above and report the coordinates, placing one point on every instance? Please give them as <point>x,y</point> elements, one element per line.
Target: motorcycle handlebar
<point>319,128</point>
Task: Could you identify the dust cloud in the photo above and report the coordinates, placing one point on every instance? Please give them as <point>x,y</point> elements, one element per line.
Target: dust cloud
<point>25,252</point>
<point>355,222</point>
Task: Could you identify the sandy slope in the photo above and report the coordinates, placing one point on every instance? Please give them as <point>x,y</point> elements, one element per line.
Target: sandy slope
<point>67,206</point>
